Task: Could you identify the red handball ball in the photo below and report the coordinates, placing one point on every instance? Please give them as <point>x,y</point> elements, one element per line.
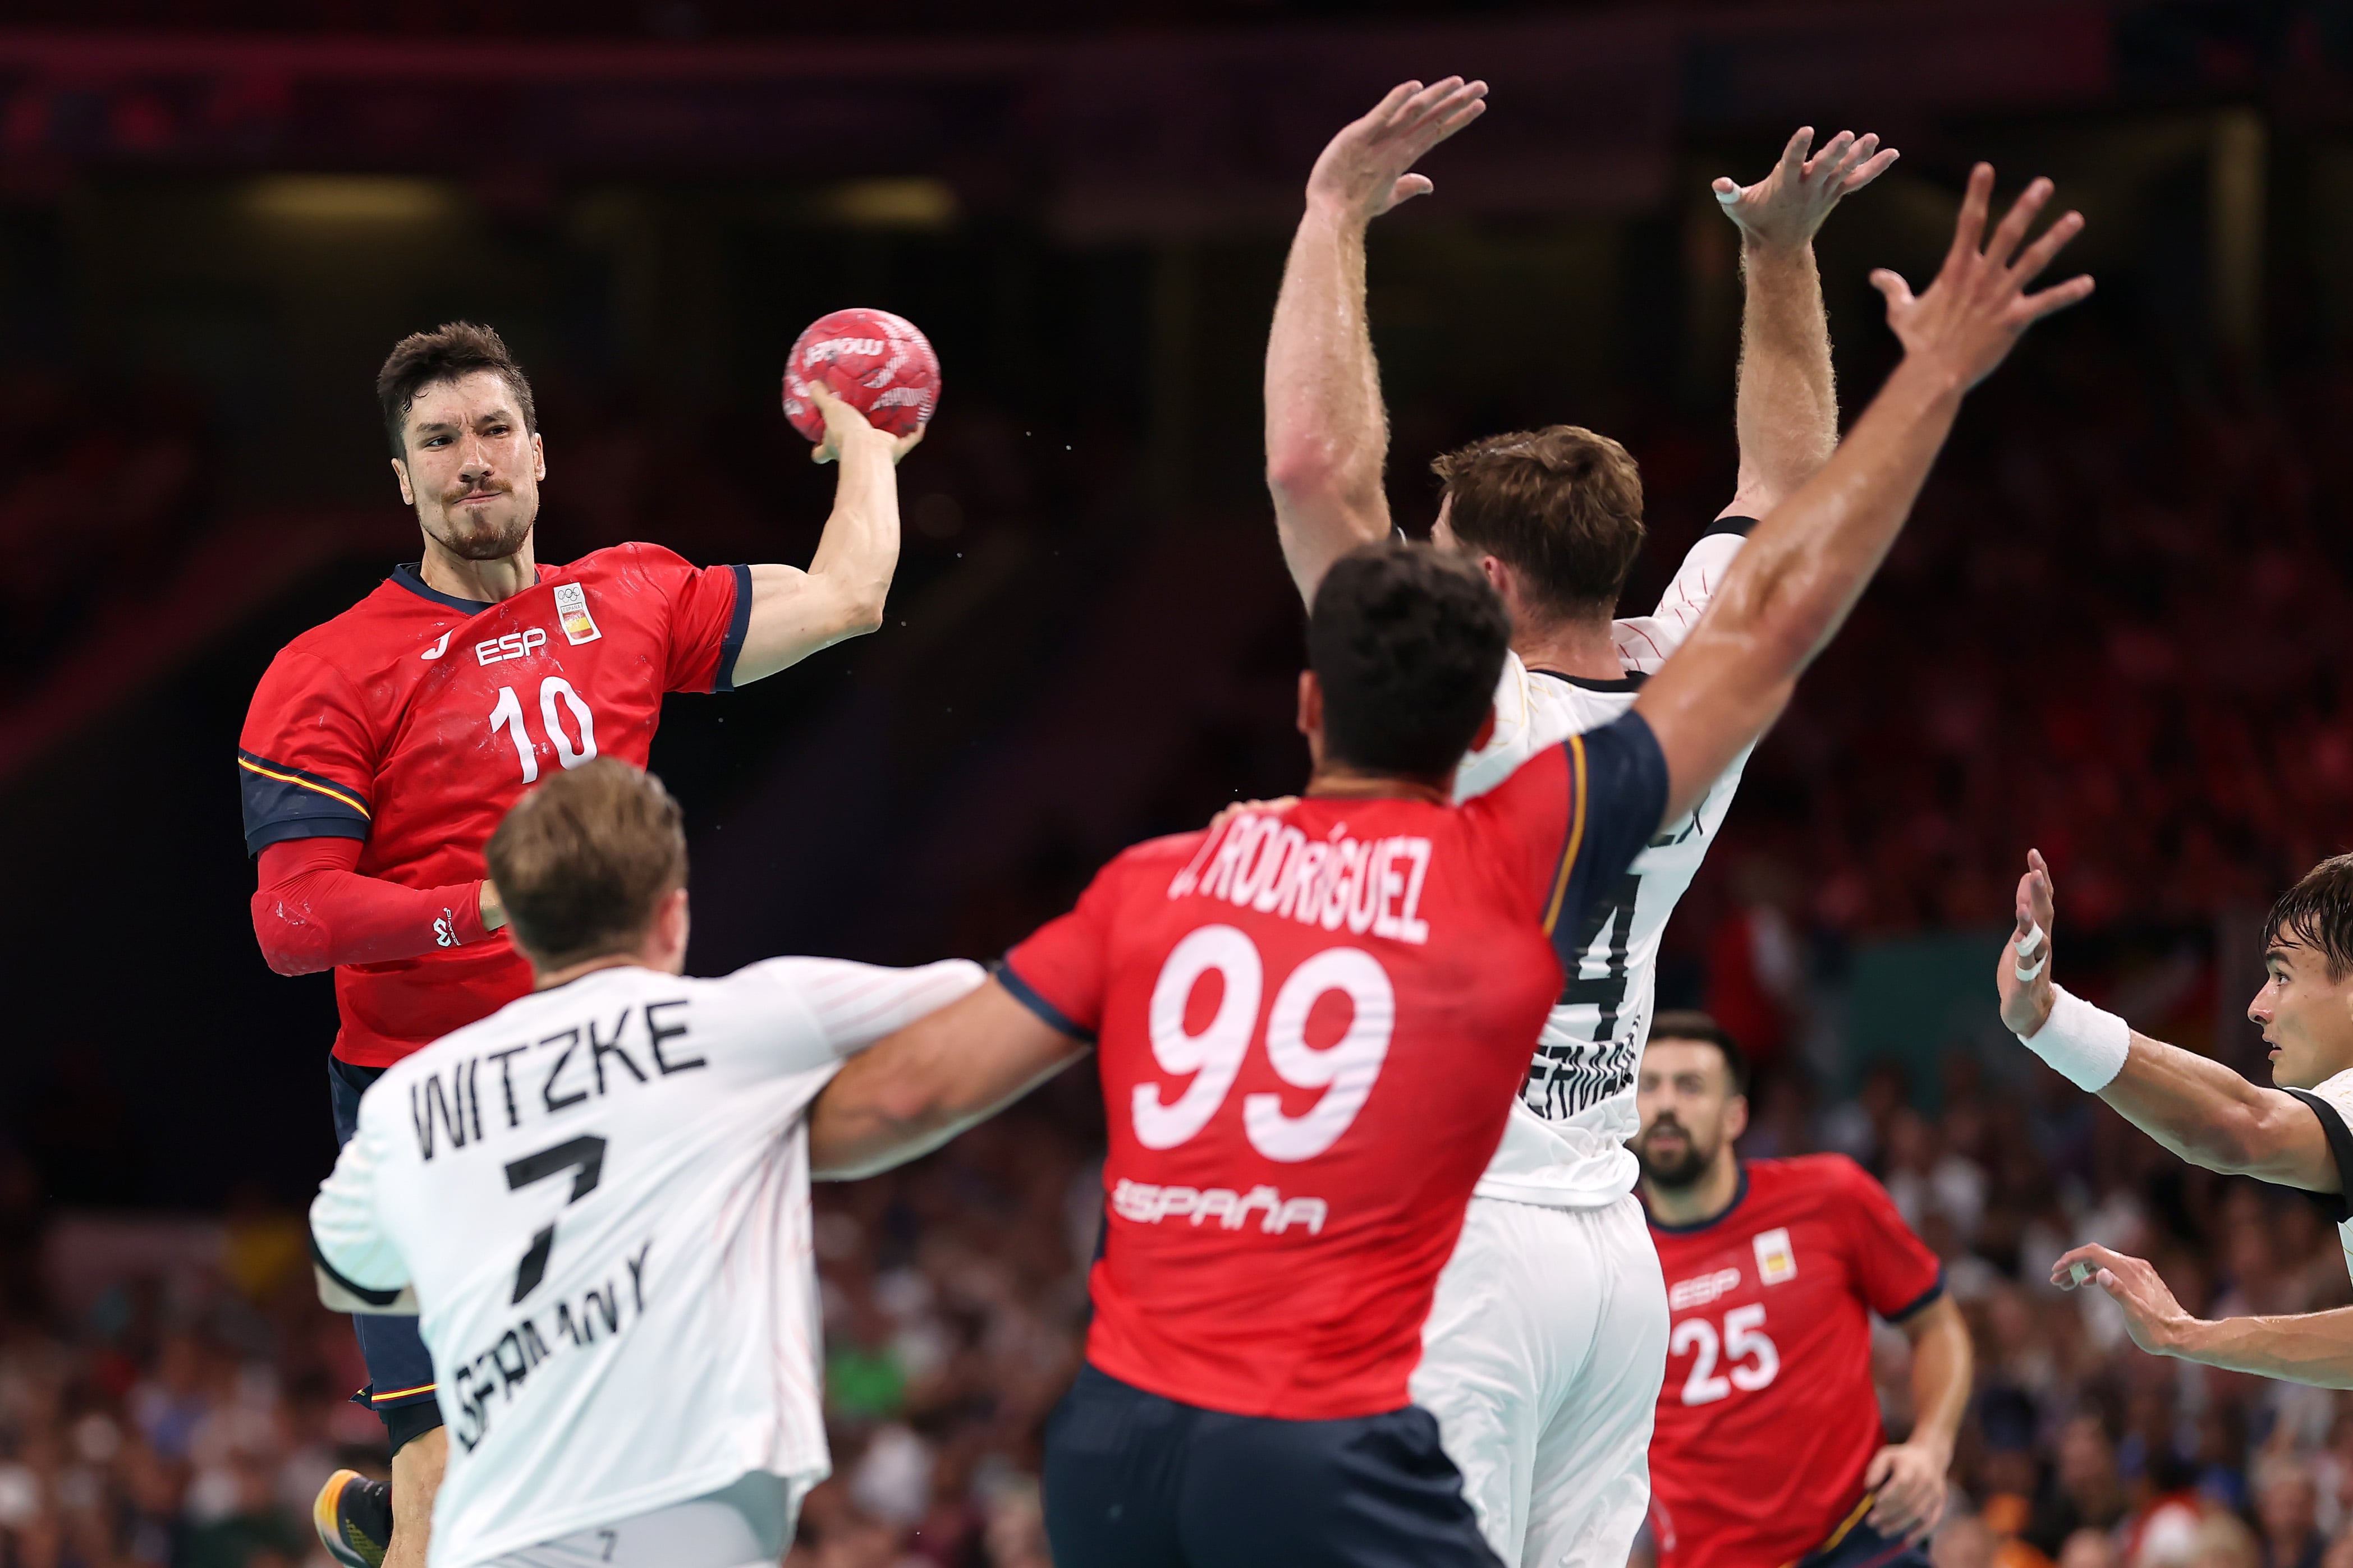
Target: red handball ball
<point>875,362</point>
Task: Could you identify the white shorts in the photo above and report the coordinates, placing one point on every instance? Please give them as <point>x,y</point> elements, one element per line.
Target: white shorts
<point>745,1525</point>
<point>1542,1360</point>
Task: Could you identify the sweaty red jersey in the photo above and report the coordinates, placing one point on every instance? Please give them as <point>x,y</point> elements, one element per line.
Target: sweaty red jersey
<point>1312,1023</point>
<point>1768,1417</point>
<point>415,720</point>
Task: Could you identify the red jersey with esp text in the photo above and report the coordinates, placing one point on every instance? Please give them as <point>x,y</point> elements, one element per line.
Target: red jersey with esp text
<point>415,720</point>
<point>1312,1022</point>
<point>1768,1417</point>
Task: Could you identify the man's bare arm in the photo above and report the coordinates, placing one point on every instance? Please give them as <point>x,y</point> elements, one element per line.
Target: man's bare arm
<point>795,613</point>
<point>2199,1109</point>
<point>1326,434</point>
<point>1807,563</point>
<point>1909,1478</point>
<point>912,1090</point>
<point>2314,1348</point>
<point>1786,406</point>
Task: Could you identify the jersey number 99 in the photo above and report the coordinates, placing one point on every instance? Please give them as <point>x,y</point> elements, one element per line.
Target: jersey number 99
<point>1344,1070</point>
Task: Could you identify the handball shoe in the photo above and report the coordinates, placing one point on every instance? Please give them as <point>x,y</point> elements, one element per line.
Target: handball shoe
<point>354,1518</point>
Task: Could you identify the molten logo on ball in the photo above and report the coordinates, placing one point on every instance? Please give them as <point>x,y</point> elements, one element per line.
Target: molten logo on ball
<point>875,362</point>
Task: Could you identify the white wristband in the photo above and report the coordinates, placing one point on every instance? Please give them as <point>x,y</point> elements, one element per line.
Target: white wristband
<point>2087,1045</point>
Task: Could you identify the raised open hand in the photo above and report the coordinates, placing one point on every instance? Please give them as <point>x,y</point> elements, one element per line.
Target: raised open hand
<point>1979,306</point>
<point>1366,169</point>
<point>1787,205</point>
<point>2026,1003</point>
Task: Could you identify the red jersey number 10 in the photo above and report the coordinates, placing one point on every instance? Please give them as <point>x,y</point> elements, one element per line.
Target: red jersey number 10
<point>1344,1070</point>
<point>1743,1338</point>
<point>508,715</point>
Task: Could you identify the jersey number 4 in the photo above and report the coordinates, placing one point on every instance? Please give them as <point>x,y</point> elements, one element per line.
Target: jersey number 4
<point>507,715</point>
<point>1756,1360</point>
<point>1344,1070</point>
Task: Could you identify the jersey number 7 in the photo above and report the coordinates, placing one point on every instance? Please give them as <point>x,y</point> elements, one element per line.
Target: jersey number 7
<point>585,1156</point>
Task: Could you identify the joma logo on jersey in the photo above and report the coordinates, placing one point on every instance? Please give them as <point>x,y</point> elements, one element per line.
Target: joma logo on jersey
<point>1705,1288</point>
<point>515,645</point>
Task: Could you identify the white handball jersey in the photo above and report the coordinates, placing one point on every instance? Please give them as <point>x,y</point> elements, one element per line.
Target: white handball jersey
<point>600,1194</point>
<point>1565,1145</point>
<point>2332,1101</point>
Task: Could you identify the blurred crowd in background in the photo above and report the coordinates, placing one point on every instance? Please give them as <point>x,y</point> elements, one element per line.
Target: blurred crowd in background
<point>2107,633</point>
<point>184,1421</point>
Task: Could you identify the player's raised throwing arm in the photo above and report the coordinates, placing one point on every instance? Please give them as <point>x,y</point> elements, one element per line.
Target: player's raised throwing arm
<point>795,613</point>
<point>2199,1109</point>
<point>1326,434</point>
<point>1808,562</point>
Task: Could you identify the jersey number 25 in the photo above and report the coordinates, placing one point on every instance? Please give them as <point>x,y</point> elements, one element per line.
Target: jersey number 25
<point>1757,1362</point>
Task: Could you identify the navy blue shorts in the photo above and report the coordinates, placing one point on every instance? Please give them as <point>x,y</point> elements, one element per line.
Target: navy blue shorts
<point>400,1369</point>
<point>1133,1480</point>
<point>1860,1546</point>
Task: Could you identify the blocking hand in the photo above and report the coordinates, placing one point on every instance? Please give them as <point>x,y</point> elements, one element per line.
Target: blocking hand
<point>1785,207</point>
<point>2025,1004</point>
<point>1366,169</point>
<point>1978,307</point>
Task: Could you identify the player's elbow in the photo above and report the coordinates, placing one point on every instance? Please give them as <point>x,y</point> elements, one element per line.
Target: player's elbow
<point>288,942</point>
<point>1306,474</point>
<point>858,606</point>
<point>1302,470</point>
<point>871,1130</point>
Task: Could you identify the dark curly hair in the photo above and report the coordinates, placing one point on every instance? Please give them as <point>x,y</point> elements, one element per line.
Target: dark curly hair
<point>1407,642</point>
<point>452,350</point>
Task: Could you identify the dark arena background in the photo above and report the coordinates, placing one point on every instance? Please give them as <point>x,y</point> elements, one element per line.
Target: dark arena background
<point>2115,630</point>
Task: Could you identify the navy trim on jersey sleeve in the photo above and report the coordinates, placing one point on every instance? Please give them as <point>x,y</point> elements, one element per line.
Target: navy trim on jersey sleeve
<point>1739,525</point>
<point>1051,1015</point>
<point>373,1298</point>
<point>1617,784</point>
<point>737,625</point>
<point>2340,1144</point>
<point>1927,1299</point>
<point>282,803</point>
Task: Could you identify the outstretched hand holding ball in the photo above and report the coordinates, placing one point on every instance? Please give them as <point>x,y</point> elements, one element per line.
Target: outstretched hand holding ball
<point>870,363</point>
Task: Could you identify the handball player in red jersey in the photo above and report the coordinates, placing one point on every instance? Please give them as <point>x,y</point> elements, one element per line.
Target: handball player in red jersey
<point>1767,1448</point>
<point>382,747</point>
<point>1311,1017</point>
